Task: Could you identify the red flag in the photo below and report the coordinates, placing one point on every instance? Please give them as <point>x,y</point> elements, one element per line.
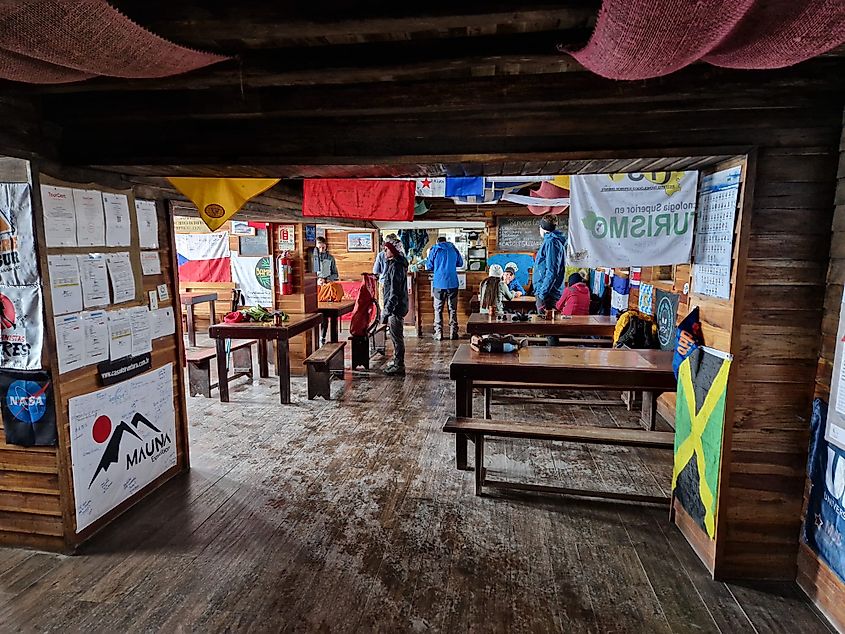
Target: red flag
<point>358,198</point>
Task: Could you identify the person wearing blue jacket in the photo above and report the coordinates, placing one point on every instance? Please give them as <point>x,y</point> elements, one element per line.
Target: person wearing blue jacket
<point>549,265</point>
<point>444,260</point>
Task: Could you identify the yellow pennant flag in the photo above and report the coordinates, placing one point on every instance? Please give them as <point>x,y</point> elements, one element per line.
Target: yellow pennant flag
<point>561,181</point>
<point>218,199</point>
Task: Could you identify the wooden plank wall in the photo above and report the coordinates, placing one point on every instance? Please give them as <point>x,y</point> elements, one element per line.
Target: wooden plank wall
<point>350,264</point>
<point>820,583</point>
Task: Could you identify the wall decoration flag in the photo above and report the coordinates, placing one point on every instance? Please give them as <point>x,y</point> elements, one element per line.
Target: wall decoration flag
<point>365,199</point>
<point>464,185</point>
<point>18,264</point>
<point>121,438</point>
<point>666,316</point>
<point>699,424</point>
<point>645,302</point>
<point>620,288</point>
<point>631,219</point>
<point>203,257</point>
<point>254,277</point>
<point>824,523</point>
<point>431,187</point>
<point>21,327</point>
<point>636,276</point>
<point>28,408</point>
<point>218,199</point>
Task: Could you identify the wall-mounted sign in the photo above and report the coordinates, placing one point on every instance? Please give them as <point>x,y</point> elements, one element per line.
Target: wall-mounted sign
<point>310,234</point>
<point>286,237</point>
<point>242,228</point>
<point>111,372</point>
<point>359,241</point>
<point>186,224</point>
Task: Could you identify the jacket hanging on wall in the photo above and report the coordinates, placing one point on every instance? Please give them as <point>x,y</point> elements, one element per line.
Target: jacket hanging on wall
<point>28,410</point>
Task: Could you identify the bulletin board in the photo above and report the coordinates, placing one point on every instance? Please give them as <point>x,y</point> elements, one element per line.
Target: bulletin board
<point>517,234</point>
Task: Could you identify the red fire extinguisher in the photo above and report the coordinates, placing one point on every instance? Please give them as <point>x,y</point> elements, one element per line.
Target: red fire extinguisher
<point>285,274</point>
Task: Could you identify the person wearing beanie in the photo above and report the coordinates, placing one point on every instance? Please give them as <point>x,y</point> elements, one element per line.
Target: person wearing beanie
<point>380,264</point>
<point>549,265</point>
<point>510,279</point>
<point>395,305</point>
<point>494,291</point>
<point>576,298</point>
<point>443,260</point>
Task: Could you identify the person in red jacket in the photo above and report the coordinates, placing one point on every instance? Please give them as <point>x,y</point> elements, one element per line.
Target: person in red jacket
<point>576,298</point>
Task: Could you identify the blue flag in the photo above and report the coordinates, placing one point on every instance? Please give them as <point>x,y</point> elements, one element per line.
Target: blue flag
<point>464,186</point>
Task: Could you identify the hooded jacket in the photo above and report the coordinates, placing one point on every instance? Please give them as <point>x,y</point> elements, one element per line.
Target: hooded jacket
<point>443,259</point>
<point>575,300</point>
<point>396,287</point>
<point>549,269</point>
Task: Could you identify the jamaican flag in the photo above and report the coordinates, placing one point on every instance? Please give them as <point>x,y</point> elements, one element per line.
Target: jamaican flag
<point>699,422</point>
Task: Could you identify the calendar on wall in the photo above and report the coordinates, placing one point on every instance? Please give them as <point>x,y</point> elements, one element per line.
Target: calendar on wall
<point>714,233</point>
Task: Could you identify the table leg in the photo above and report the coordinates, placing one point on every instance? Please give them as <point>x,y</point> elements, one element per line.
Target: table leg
<point>649,412</point>
<point>192,329</point>
<point>263,369</point>
<point>463,409</point>
<point>213,314</point>
<point>222,371</point>
<point>479,463</point>
<point>283,368</point>
<point>334,328</point>
<point>315,335</point>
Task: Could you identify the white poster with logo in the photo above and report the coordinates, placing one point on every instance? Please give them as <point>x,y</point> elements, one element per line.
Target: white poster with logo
<point>638,219</point>
<point>18,263</point>
<point>254,277</point>
<point>21,327</point>
<point>121,439</point>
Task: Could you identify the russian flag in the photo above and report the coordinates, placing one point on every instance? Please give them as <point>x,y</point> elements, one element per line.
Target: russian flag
<point>203,257</point>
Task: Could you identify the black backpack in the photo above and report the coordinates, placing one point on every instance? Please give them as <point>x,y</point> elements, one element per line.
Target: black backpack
<point>638,333</point>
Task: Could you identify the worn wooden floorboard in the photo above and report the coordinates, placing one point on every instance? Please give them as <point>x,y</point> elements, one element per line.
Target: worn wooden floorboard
<point>349,516</point>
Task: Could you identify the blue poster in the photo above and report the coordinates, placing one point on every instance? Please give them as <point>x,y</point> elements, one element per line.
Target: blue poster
<point>824,524</point>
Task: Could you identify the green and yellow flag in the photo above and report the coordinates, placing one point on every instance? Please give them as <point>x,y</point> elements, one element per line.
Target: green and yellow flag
<point>218,199</point>
<point>699,426</point>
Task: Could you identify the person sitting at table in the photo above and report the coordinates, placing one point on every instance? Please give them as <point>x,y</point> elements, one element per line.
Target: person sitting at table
<point>510,279</point>
<point>395,306</point>
<point>493,292</point>
<point>576,297</point>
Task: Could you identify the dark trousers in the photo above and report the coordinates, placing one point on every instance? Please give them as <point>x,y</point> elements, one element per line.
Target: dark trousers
<point>549,304</point>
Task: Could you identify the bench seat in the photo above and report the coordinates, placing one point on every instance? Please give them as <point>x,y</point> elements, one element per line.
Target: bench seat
<point>199,361</point>
<point>321,365</point>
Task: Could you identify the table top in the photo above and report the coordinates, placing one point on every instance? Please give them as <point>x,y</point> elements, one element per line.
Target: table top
<point>561,325</point>
<point>266,330</point>
<point>525,299</point>
<point>341,308</point>
<point>188,299</point>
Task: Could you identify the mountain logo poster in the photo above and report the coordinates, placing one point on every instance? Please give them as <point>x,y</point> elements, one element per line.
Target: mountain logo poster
<point>121,439</point>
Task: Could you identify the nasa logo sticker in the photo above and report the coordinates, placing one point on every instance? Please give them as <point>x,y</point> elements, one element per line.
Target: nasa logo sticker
<point>27,400</point>
<point>28,409</point>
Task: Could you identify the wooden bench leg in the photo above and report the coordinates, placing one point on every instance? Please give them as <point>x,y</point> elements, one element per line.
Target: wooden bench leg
<point>242,361</point>
<point>319,383</point>
<point>479,463</point>
<point>360,352</point>
<point>222,371</point>
<point>649,413</point>
<point>199,378</point>
<point>337,365</point>
<point>463,407</point>
<point>488,402</point>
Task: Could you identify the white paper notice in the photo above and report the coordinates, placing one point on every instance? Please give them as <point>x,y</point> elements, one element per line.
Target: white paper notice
<point>120,334</point>
<point>153,300</point>
<point>95,280</point>
<point>95,325</point>
<point>65,287</point>
<point>163,322</point>
<point>116,207</point>
<point>163,293</point>
<point>90,221</point>
<point>59,216</point>
<point>142,333</point>
<point>70,343</point>
<point>145,213</point>
<point>122,277</point>
<point>150,264</point>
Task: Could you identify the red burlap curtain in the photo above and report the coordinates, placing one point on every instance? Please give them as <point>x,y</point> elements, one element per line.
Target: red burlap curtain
<point>57,41</point>
<point>640,39</point>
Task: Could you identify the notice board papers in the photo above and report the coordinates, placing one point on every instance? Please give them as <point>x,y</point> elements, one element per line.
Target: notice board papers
<point>145,213</point>
<point>714,233</point>
<point>90,221</point>
<point>95,280</point>
<point>117,219</point>
<point>122,277</point>
<point>70,343</point>
<point>65,287</point>
<point>59,216</point>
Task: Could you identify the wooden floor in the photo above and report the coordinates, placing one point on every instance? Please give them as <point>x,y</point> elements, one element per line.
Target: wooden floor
<point>348,516</point>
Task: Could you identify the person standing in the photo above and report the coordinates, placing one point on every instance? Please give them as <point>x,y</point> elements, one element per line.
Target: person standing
<point>380,264</point>
<point>395,305</point>
<point>444,260</point>
<point>549,268</point>
<point>326,269</point>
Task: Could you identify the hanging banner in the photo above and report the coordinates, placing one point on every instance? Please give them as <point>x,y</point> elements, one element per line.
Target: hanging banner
<point>431,187</point>
<point>358,198</point>
<point>645,302</point>
<point>699,423</point>
<point>121,438</point>
<point>666,316</point>
<point>620,291</point>
<point>218,199</point>
<point>21,327</point>
<point>254,277</point>
<point>203,257</point>
<point>28,409</point>
<point>631,219</point>
<point>16,236</point>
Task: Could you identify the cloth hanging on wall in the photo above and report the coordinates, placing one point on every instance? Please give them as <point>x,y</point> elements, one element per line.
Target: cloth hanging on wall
<point>218,199</point>
<point>28,408</point>
<point>358,198</point>
<point>57,41</point>
<point>203,257</point>
<point>639,39</point>
<point>620,288</point>
<point>666,316</point>
<point>253,276</point>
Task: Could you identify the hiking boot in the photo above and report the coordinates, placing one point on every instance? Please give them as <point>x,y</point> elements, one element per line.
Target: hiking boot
<point>395,370</point>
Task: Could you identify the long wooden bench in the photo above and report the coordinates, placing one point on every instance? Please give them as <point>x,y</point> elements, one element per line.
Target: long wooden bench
<point>364,347</point>
<point>199,366</point>
<point>325,362</point>
<point>477,429</point>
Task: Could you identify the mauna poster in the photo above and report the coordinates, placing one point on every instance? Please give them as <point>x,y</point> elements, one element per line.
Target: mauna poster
<point>699,424</point>
<point>254,277</point>
<point>121,438</point>
<point>638,219</point>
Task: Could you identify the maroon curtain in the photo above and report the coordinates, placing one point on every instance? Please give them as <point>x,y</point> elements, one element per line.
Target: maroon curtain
<point>358,198</point>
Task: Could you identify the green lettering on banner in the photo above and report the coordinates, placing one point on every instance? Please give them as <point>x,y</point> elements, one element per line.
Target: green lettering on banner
<point>638,227</point>
<point>619,227</point>
<point>661,222</point>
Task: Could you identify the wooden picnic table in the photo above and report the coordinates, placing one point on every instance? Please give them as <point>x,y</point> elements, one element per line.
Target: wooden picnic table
<point>264,332</point>
<point>332,311</point>
<point>560,326</point>
<point>594,368</point>
<point>517,304</point>
<point>189,300</point>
